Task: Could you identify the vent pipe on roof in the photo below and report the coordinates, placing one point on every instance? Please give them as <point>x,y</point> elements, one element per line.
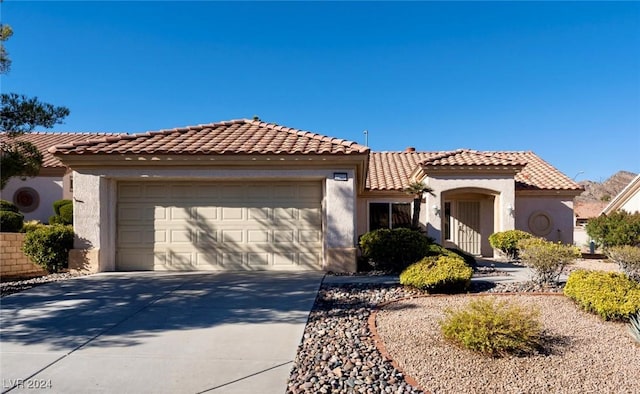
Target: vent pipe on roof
<point>410,149</point>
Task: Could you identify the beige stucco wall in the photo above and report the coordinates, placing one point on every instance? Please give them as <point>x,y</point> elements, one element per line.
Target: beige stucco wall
<point>633,204</point>
<point>501,187</point>
<point>558,208</point>
<point>49,189</point>
<point>95,205</point>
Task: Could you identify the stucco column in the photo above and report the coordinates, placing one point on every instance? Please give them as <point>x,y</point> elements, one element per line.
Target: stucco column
<point>434,211</point>
<point>93,212</point>
<point>340,226</point>
<point>507,209</point>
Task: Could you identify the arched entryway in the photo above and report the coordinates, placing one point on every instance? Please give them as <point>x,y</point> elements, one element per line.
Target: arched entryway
<point>468,218</point>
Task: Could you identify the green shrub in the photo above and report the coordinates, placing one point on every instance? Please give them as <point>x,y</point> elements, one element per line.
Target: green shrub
<point>66,213</point>
<point>49,246</point>
<point>628,258</point>
<point>395,249</point>
<point>31,225</point>
<point>615,229</point>
<point>8,206</point>
<point>63,212</point>
<point>610,295</point>
<point>11,222</point>
<point>438,274</point>
<point>468,259</point>
<point>494,328</point>
<point>507,241</point>
<point>59,204</point>
<point>437,250</point>
<point>547,259</point>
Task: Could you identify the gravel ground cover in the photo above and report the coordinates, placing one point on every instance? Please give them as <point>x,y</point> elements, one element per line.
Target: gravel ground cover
<point>599,265</point>
<point>18,285</point>
<point>584,355</point>
<point>337,353</point>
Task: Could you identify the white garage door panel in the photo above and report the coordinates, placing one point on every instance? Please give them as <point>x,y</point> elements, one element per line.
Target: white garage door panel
<point>219,226</point>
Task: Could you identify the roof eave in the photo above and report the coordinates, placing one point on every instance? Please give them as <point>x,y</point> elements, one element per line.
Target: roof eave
<point>538,192</point>
<point>476,169</point>
<point>622,197</point>
<point>118,159</point>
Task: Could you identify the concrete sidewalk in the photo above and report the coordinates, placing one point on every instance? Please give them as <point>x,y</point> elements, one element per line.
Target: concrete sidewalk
<point>506,273</point>
<point>156,333</point>
<point>512,272</point>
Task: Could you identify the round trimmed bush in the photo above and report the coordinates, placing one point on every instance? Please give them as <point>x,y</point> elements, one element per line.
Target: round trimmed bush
<point>63,212</point>
<point>59,204</point>
<point>438,274</point>
<point>49,246</point>
<point>507,241</point>
<point>8,206</point>
<point>610,295</point>
<point>494,328</point>
<point>66,213</point>
<point>11,222</point>
<point>393,250</point>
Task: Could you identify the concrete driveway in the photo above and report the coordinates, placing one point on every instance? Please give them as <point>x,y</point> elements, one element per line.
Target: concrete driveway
<point>156,333</point>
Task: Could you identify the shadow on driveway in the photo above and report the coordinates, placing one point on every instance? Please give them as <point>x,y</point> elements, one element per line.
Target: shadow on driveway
<point>68,314</point>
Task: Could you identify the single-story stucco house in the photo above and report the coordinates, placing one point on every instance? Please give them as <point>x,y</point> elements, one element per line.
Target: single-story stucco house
<point>245,194</point>
<point>627,200</point>
<point>583,212</point>
<point>35,196</point>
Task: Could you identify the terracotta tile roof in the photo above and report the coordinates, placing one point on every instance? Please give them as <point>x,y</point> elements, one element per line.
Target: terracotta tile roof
<point>45,140</point>
<point>392,170</point>
<point>240,136</point>
<point>538,174</point>
<point>467,157</point>
<point>588,209</point>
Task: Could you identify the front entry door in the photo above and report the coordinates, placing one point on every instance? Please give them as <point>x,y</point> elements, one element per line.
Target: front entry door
<point>467,226</point>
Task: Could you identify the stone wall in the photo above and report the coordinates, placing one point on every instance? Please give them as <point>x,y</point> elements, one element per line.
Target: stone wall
<point>13,263</point>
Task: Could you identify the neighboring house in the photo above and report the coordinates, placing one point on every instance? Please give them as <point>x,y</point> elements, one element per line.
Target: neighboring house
<point>628,199</point>
<point>246,194</point>
<point>35,196</point>
<point>585,210</point>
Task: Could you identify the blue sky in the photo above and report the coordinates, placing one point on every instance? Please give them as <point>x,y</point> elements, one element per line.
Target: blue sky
<point>559,78</point>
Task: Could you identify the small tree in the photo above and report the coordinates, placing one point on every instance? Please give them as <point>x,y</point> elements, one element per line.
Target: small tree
<point>546,259</point>
<point>628,259</point>
<point>5,63</point>
<point>615,229</point>
<point>417,190</point>
<point>19,115</point>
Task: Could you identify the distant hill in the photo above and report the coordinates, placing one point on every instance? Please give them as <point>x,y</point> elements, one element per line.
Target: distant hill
<point>605,191</point>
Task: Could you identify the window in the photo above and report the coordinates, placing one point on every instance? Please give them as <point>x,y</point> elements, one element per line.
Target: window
<point>389,215</point>
<point>447,220</point>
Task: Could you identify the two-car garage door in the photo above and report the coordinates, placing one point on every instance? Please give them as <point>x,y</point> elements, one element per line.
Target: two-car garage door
<point>219,226</point>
